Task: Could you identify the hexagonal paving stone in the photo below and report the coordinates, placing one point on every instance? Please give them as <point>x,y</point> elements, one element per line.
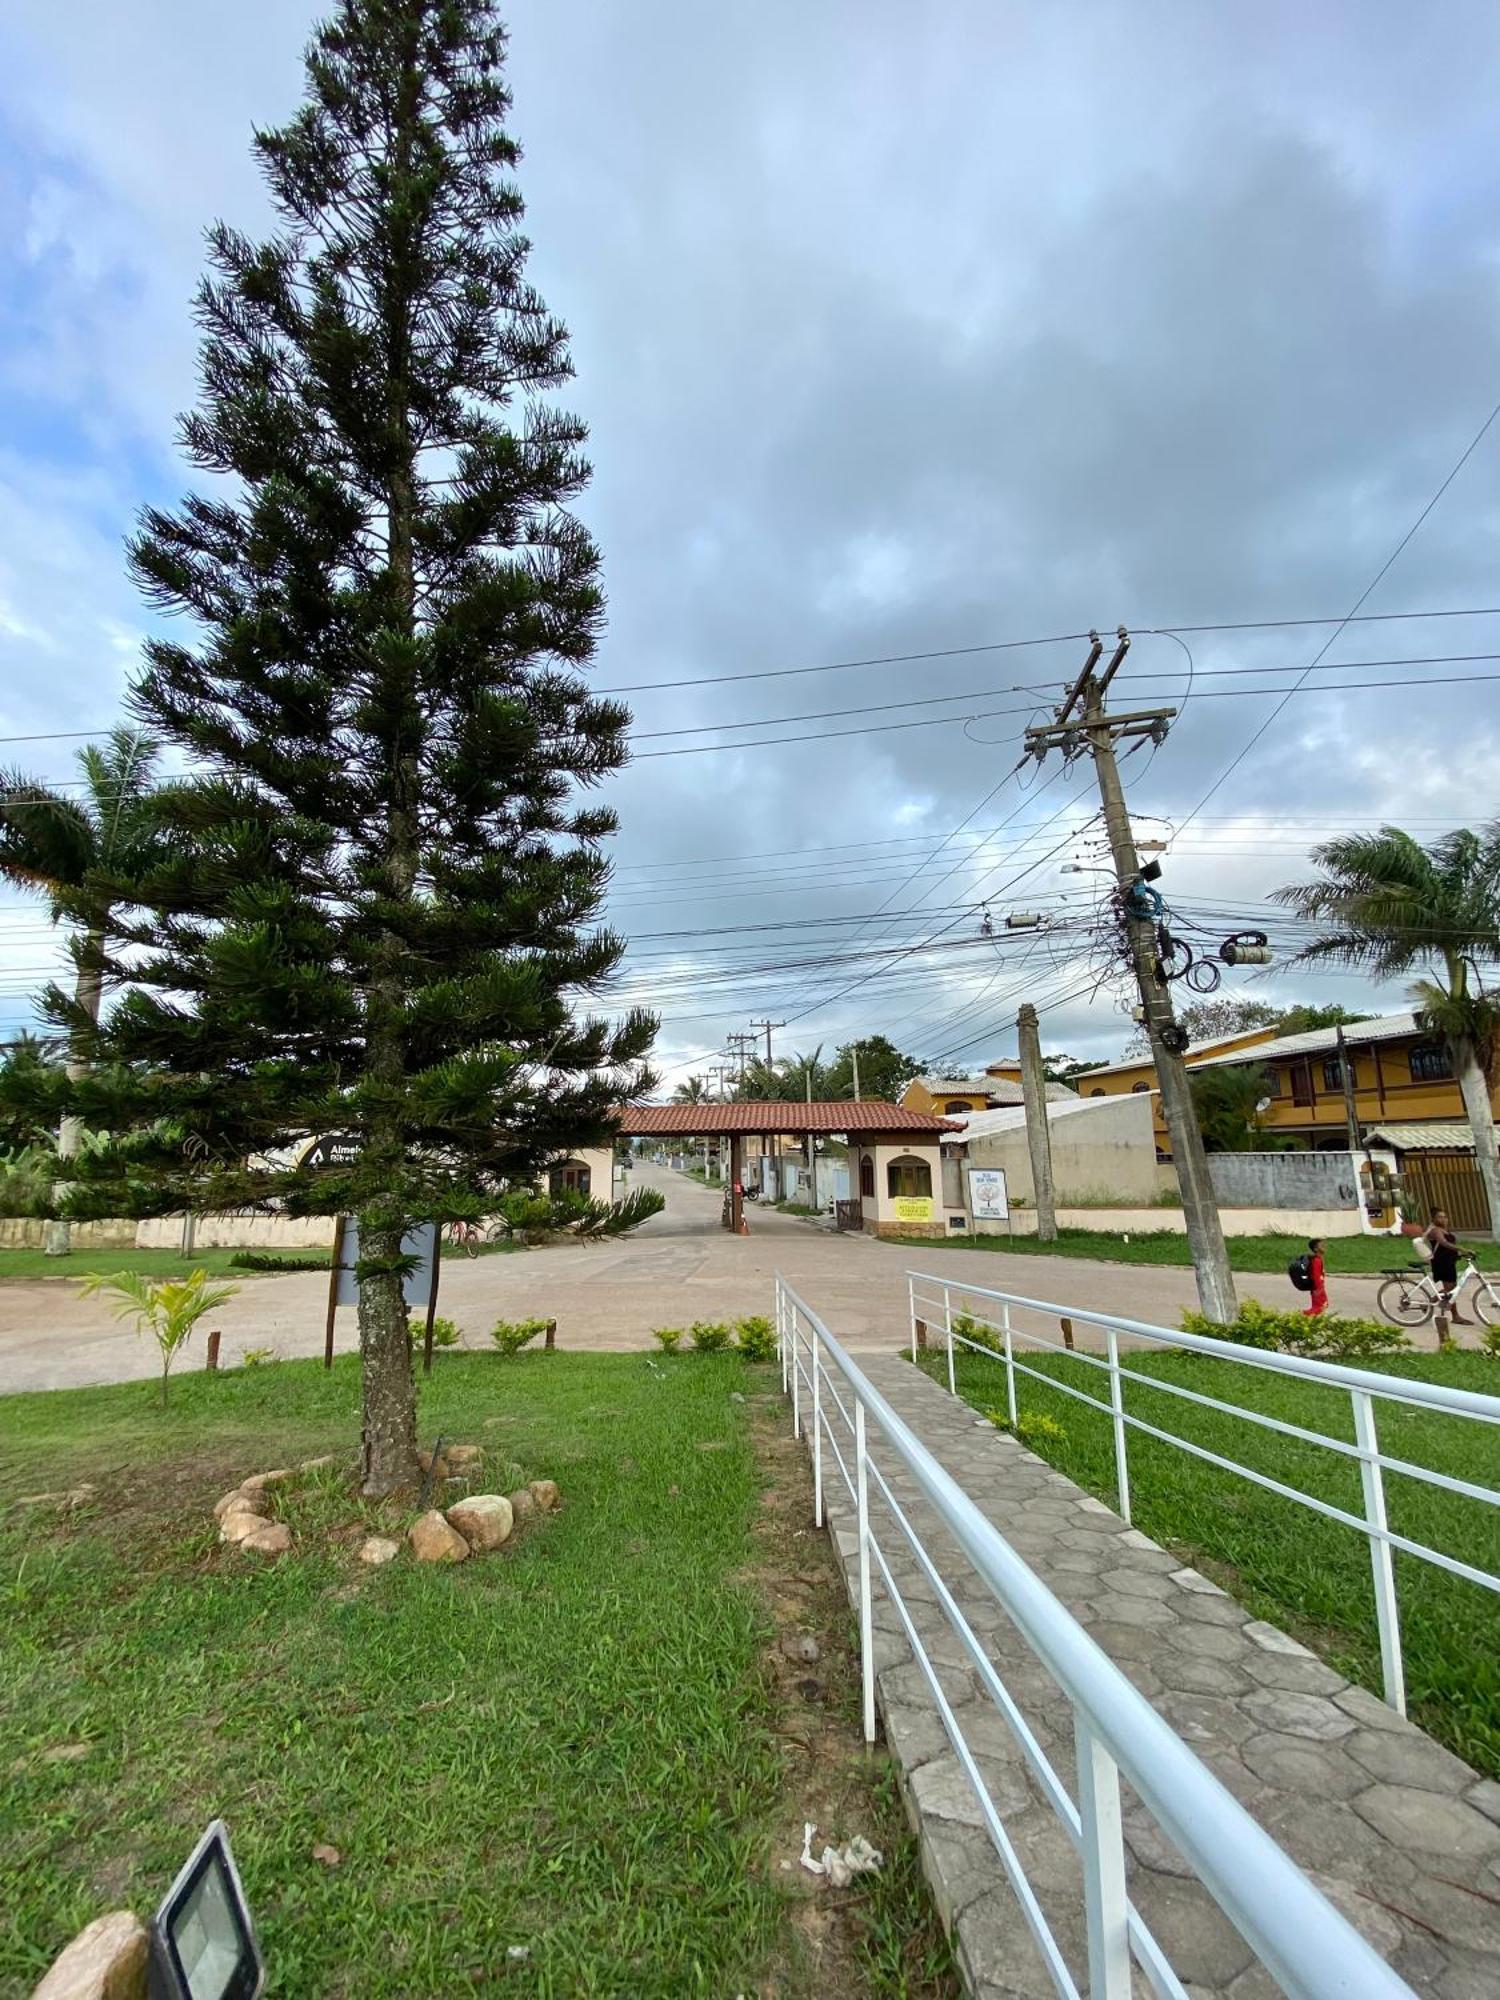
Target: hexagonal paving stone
<point>1423,1820</point>
<point>1107,1605</point>
<point>1298,1714</point>
<point>1139,1583</point>
<point>1410,1758</point>
<point>1297,1764</point>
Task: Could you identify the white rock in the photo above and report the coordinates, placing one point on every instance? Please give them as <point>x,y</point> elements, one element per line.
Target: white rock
<point>271,1538</point>
<point>105,1962</point>
<point>242,1522</point>
<point>545,1494</point>
<point>245,1502</point>
<point>379,1549</point>
<point>484,1520</point>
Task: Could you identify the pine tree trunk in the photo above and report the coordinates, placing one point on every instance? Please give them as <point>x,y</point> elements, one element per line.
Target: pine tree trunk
<point>1474,1085</point>
<point>390,1410</point>
<point>389,1396</point>
<point>87,992</point>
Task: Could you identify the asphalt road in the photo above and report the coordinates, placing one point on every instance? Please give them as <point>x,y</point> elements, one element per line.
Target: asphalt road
<point>679,1267</point>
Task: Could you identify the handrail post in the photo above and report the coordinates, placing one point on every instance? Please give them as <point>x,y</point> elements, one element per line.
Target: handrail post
<point>1010,1364</point>
<point>866,1614</point>
<point>781,1330</point>
<point>796,1369</point>
<point>1117,1409</point>
<point>911,1297</point>
<point>817,1423</point>
<point>1106,1906</point>
<point>1382,1564</point>
<point>948,1328</point>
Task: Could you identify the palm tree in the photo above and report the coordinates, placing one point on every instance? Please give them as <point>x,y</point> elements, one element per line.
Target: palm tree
<point>694,1091</point>
<point>806,1076</point>
<point>77,853</point>
<point>1392,906</point>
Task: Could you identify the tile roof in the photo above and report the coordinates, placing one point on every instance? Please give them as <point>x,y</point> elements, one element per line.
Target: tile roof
<point>1423,1136</point>
<point>1324,1041</point>
<point>988,1124</point>
<point>694,1121</point>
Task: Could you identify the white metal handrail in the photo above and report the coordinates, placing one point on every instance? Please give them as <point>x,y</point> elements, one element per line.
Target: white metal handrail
<point>1363,1386</point>
<point>1300,1938</point>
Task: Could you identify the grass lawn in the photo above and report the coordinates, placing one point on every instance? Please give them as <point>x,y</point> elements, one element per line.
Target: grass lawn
<point>587,1746</point>
<point>17,1264</point>
<point>1351,1254</point>
<point>1285,1562</point>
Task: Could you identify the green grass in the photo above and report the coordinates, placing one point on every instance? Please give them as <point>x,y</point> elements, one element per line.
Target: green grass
<point>1290,1565</point>
<point>568,1746</point>
<point>18,1264</point>
<point>1343,1254</point>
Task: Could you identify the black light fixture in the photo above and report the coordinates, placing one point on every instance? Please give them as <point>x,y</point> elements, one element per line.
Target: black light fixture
<point>1151,872</point>
<point>203,1943</point>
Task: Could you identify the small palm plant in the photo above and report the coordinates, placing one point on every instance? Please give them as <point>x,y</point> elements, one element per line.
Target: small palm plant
<point>168,1310</point>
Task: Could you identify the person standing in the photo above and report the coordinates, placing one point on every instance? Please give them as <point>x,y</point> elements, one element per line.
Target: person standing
<point>1441,1241</point>
<point>1317,1276</point>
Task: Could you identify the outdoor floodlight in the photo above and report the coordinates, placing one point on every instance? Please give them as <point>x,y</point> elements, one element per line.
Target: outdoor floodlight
<point>1151,872</point>
<point>202,1940</point>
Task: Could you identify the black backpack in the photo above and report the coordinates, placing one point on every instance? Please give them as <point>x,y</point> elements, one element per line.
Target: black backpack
<point>1300,1272</point>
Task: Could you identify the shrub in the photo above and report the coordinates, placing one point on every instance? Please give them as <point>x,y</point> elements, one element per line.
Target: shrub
<point>1489,1340</point>
<point>982,1335</point>
<point>511,1335</point>
<point>757,1339</point>
<point>710,1336</point>
<point>445,1332</point>
<point>167,1310</point>
<point>258,1357</point>
<point>1284,1330</point>
<point>668,1338</point>
<point>1032,1429</point>
<point>266,1260</point>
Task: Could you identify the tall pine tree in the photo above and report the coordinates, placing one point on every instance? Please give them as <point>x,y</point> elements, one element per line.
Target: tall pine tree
<point>380,907</point>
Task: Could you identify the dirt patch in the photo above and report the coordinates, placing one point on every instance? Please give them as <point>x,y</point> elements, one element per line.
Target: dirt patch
<point>881,1934</point>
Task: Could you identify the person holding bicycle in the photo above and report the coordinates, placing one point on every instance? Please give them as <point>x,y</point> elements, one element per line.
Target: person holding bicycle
<point>1443,1246</point>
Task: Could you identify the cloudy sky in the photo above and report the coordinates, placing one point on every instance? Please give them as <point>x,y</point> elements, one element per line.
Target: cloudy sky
<point>896,336</point>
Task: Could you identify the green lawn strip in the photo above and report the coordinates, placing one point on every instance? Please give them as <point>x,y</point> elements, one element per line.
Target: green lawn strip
<point>1287,1563</point>
<point>1355,1255</point>
<point>18,1264</point>
<point>566,1747</point>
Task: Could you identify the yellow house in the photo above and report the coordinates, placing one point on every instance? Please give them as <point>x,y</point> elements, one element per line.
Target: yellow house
<point>955,1096</point>
<point>1138,1074</point>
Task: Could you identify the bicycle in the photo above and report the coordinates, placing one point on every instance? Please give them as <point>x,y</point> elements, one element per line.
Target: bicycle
<point>465,1236</point>
<point>1410,1298</point>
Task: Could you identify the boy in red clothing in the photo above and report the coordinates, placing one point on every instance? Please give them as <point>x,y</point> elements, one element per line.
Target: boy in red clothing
<point>1315,1272</point>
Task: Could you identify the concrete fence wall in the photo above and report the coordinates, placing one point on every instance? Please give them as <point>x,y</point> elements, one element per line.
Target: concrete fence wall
<point>1285,1180</point>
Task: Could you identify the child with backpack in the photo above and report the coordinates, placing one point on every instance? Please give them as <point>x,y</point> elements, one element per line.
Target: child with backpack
<point>1307,1274</point>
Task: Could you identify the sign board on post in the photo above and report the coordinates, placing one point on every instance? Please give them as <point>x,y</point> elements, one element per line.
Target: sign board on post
<point>989,1199</point>
<point>417,1287</point>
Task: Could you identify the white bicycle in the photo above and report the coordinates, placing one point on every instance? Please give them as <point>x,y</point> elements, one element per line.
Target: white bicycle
<point>1410,1298</point>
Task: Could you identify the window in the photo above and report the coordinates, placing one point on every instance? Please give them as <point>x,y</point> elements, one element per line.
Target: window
<point>1333,1077</point>
<point>867,1176</point>
<point>906,1176</point>
<point>1430,1064</point>
<point>1137,1088</point>
<point>957,1106</point>
<point>1096,1091</point>
<point>570,1174</point>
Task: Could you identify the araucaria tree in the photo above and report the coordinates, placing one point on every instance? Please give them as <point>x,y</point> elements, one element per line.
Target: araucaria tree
<point>380,910</point>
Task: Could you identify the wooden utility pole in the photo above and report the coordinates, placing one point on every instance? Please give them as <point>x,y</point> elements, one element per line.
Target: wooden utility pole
<point>1082,722</point>
<point>768,1026</point>
<point>1346,1077</point>
<point>1038,1134</point>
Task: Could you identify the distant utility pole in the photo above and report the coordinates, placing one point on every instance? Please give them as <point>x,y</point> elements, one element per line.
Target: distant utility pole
<point>854,1059</point>
<point>1082,723</point>
<point>720,1070</point>
<point>737,1047</point>
<point>1038,1135</point>
<point>768,1026</point>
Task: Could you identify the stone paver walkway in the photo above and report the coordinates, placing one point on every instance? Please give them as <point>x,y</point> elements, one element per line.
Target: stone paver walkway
<point>1402,1836</point>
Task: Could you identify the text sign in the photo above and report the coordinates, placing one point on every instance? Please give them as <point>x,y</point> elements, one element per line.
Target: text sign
<point>989,1199</point>
<point>420,1242</point>
<point>912,1207</point>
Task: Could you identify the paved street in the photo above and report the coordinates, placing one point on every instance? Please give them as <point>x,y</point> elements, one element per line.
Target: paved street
<point>680,1267</point>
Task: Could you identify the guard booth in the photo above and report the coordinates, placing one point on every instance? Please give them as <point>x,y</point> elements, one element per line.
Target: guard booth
<point>895,1155</point>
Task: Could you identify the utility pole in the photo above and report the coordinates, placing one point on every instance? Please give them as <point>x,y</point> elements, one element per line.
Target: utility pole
<point>737,1046</point>
<point>812,1154</point>
<point>1082,722</point>
<point>768,1026</point>
<point>1351,1110</point>
<point>854,1059</point>
<point>1038,1134</point>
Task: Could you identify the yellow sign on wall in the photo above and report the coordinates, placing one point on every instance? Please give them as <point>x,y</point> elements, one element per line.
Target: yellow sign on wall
<point>912,1207</point>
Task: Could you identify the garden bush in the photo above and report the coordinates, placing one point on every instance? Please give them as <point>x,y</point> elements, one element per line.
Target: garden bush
<point>1033,1429</point>
<point>511,1335</point>
<point>1321,1336</point>
<point>668,1338</point>
<point>268,1260</point>
<point>757,1339</point>
<point>445,1332</point>
<point>981,1334</point>
<point>710,1336</point>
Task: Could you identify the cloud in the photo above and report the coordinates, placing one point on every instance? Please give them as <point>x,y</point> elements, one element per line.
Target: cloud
<point>894,334</point>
